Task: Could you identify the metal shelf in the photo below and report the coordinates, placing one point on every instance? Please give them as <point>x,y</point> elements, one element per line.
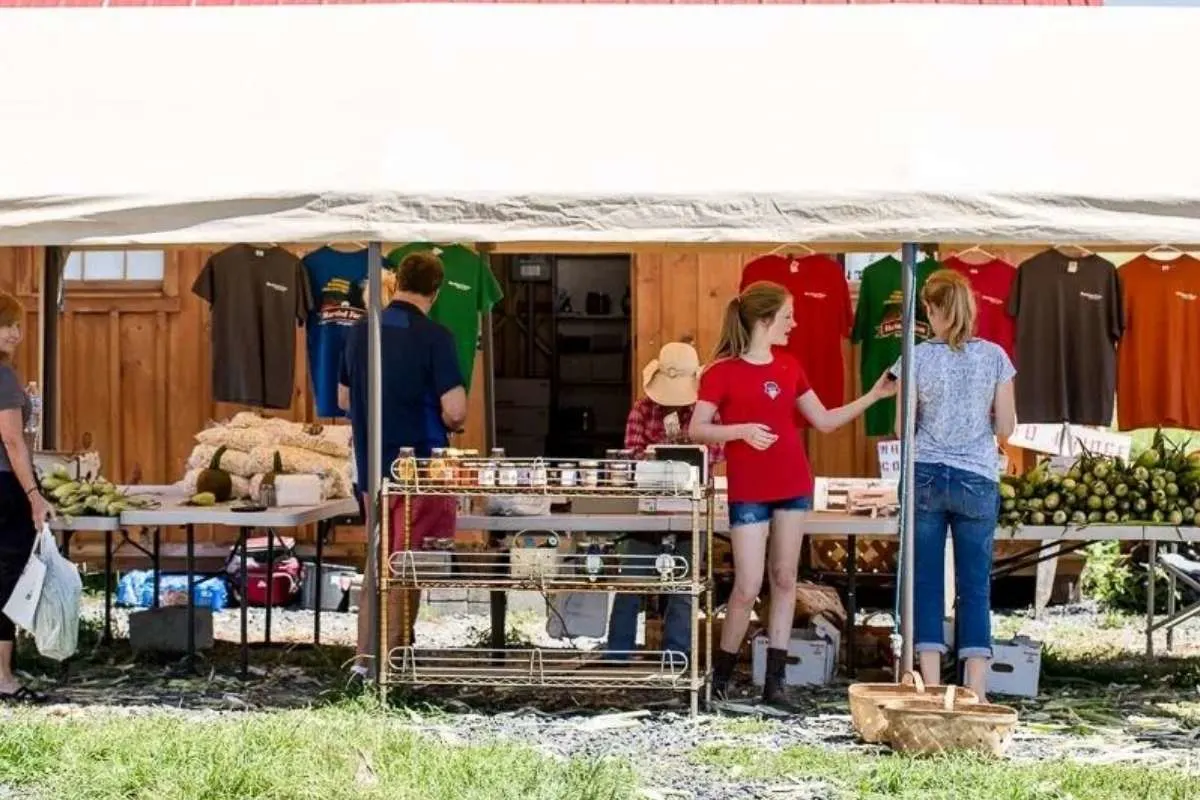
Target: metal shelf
<point>615,572</point>
<point>542,668</point>
<point>542,478</point>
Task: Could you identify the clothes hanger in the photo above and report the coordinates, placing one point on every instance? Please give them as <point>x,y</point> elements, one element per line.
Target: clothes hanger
<point>1073,250</point>
<point>1164,252</point>
<point>792,247</point>
<point>347,247</point>
<point>976,250</point>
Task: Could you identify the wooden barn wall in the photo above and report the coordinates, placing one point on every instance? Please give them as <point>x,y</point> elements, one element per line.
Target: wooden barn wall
<point>681,295</point>
<point>136,375</point>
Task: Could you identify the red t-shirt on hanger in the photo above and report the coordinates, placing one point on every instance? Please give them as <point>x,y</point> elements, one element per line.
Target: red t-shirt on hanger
<point>992,282</point>
<point>824,316</point>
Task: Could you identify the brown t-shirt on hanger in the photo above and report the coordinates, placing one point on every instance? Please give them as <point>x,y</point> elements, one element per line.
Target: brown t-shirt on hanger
<point>1155,378</point>
<point>1069,319</point>
<point>258,296</point>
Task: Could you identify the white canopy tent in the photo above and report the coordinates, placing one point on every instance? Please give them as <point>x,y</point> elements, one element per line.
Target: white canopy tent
<point>603,124</point>
<point>599,123</point>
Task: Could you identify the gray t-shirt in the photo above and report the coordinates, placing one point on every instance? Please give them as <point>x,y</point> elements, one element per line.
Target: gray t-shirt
<point>12,395</point>
<point>956,391</point>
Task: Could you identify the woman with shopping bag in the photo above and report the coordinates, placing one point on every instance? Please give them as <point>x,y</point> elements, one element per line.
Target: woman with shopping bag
<point>23,509</point>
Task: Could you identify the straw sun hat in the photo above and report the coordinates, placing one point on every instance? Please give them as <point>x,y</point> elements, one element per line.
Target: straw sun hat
<point>673,379</point>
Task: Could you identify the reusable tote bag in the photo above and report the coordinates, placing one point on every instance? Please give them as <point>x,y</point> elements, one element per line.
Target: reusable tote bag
<point>22,605</point>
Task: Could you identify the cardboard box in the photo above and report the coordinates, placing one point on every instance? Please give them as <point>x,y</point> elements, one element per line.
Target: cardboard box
<point>811,660</point>
<point>1016,667</point>
<point>826,629</point>
<point>523,392</point>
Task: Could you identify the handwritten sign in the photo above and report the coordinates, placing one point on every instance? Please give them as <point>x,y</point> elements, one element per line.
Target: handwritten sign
<point>890,464</point>
<point>1071,440</point>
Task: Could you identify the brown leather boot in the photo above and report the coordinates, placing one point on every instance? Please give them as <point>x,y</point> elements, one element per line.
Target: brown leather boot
<point>723,664</point>
<point>775,690</point>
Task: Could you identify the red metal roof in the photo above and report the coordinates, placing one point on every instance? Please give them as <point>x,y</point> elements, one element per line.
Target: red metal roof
<point>114,3</point>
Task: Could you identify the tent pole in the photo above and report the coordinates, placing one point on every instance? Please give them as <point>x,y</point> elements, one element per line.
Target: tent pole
<point>49,306</point>
<point>907,409</point>
<point>374,427</point>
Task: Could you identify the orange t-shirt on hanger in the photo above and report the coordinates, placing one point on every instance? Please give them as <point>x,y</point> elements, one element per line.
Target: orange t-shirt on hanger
<point>1157,357</point>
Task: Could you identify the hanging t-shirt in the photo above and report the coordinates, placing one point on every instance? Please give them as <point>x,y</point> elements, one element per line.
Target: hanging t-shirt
<point>1162,335</point>
<point>992,283</point>
<point>336,279</point>
<point>1069,318</point>
<point>878,326</point>
<point>468,290</point>
<point>765,394</point>
<point>258,296</point>
<point>821,297</point>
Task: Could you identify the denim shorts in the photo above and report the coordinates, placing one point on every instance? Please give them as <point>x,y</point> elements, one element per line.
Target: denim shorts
<point>755,513</point>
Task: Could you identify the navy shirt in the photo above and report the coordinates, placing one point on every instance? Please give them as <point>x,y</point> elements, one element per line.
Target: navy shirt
<point>420,364</point>
<point>336,281</point>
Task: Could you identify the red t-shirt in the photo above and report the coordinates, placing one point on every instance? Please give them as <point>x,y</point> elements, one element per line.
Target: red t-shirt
<point>992,282</point>
<point>821,296</point>
<point>766,394</point>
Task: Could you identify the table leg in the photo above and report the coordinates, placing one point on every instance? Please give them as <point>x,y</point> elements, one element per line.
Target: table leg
<point>270,581</point>
<point>108,586</point>
<point>1151,568</point>
<point>322,531</point>
<point>65,550</point>
<point>851,605</point>
<point>243,584</point>
<point>1171,587</point>
<point>190,530</point>
<point>156,556</point>
<point>499,601</point>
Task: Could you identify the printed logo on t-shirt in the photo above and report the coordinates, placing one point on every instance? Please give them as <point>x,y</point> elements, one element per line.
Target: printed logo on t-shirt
<point>462,287</point>
<point>1091,296</point>
<point>279,287</point>
<point>771,389</point>
<point>892,323</point>
<point>816,295</point>
<point>1185,296</point>
<point>996,301</point>
<point>341,302</point>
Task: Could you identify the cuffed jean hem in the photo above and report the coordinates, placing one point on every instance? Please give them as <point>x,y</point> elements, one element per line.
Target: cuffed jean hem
<point>929,647</point>
<point>975,652</point>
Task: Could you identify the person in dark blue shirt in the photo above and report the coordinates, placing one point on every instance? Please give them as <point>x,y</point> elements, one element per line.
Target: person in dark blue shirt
<point>423,401</point>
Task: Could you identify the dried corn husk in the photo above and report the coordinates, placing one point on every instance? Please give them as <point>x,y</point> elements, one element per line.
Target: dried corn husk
<point>296,461</point>
<point>330,440</point>
<point>232,461</point>
<point>252,419</point>
<point>243,439</point>
<point>241,486</point>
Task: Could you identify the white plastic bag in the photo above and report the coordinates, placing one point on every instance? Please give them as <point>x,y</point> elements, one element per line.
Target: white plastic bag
<point>56,624</point>
<point>22,604</point>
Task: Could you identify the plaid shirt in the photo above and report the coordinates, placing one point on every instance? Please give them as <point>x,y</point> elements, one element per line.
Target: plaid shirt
<point>646,425</point>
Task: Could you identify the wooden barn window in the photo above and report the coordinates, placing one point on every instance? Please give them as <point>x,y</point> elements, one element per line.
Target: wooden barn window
<point>116,269</point>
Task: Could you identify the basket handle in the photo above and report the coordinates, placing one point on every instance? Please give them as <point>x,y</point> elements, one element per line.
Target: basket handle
<point>948,700</point>
<point>913,678</point>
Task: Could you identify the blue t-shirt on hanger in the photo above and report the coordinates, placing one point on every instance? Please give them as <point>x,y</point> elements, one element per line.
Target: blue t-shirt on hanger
<point>337,279</point>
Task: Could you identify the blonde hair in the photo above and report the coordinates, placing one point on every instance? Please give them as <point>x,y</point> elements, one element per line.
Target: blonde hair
<point>949,293</point>
<point>11,312</point>
<point>387,282</point>
<point>759,302</point>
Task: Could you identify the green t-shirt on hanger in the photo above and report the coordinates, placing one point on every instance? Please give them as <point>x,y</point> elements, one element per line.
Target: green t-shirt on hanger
<point>468,289</point>
<point>878,324</point>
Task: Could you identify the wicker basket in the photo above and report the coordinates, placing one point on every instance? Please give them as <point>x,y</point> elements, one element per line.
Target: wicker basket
<point>868,699</point>
<point>925,727</point>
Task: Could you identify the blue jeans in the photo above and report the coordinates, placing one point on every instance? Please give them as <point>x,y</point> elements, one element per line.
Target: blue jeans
<point>677,611</point>
<point>968,505</point>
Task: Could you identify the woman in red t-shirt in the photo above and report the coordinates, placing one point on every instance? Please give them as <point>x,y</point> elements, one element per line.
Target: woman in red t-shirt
<point>757,394</point>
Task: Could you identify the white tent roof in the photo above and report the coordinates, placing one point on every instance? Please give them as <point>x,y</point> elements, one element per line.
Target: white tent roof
<point>598,123</point>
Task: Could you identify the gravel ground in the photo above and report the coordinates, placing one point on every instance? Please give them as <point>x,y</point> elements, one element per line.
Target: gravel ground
<point>1153,723</point>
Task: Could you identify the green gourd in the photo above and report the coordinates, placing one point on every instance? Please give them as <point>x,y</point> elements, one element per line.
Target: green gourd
<point>215,480</point>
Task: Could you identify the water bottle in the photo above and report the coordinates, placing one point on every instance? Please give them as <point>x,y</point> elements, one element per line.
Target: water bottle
<point>33,426</point>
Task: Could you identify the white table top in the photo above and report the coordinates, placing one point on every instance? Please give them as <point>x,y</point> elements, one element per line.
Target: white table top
<point>172,511</point>
<point>86,524</point>
<point>817,524</point>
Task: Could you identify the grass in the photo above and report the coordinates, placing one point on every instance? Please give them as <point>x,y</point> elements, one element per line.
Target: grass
<point>853,775</point>
<point>344,752</point>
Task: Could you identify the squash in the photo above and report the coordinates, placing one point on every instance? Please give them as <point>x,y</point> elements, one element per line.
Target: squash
<point>276,469</point>
<point>214,480</point>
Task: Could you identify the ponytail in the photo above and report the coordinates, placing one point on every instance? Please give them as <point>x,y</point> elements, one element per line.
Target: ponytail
<point>735,336</point>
